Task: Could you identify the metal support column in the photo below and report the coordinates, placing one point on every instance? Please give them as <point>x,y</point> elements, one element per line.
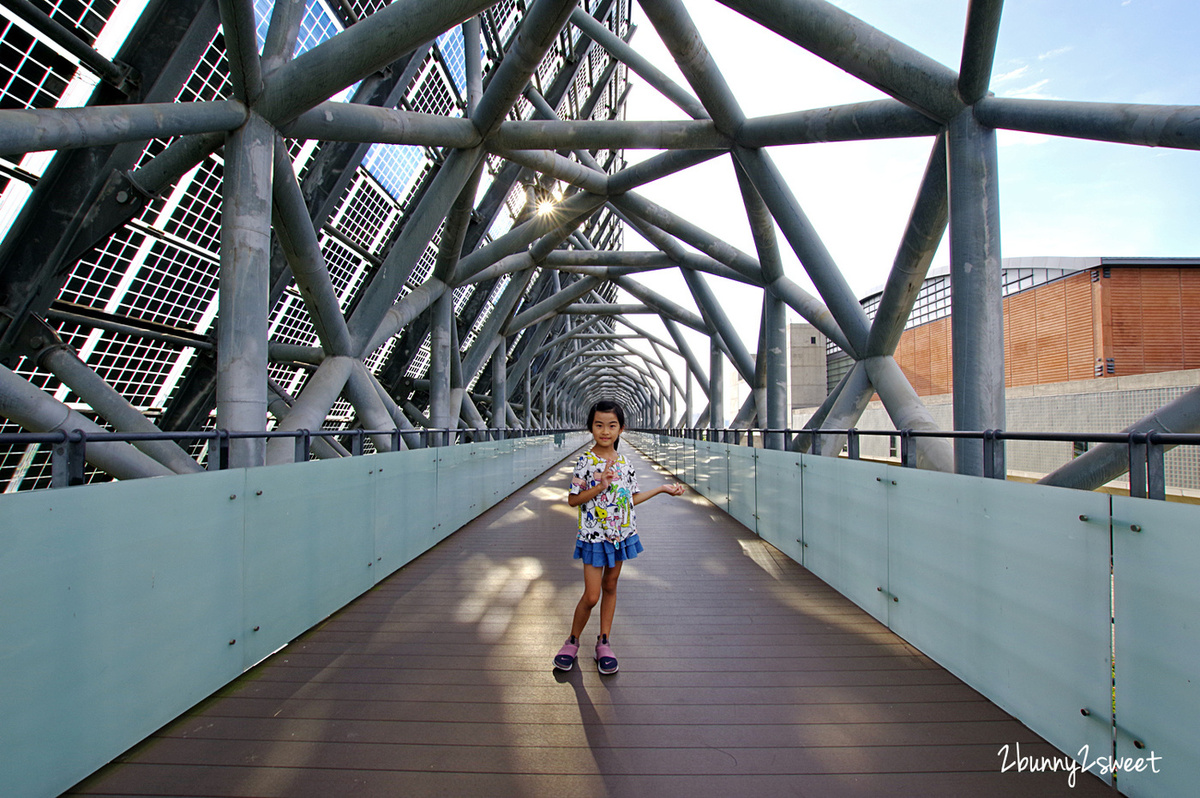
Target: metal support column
<point>500,386</point>
<point>716,386</point>
<point>439,363</point>
<point>777,370</point>
<point>245,287</point>
<point>977,312</point>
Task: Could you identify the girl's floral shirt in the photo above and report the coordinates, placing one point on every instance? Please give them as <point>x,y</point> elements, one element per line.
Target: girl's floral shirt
<point>609,516</point>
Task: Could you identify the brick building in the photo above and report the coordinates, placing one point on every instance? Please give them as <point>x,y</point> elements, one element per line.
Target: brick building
<point>1090,345</point>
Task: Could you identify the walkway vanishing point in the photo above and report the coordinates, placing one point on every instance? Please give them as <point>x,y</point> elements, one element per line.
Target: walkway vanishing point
<point>742,674</point>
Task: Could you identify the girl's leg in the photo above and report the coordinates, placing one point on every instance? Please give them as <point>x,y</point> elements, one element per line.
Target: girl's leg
<point>593,576</point>
<point>608,599</point>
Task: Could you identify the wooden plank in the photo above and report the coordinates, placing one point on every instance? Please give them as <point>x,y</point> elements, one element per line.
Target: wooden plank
<point>1050,351</point>
<point>741,673</point>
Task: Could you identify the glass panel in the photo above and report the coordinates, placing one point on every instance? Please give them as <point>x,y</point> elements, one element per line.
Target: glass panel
<point>405,508</point>
<point>741,484</point>
<point>780,509</point>
<point>845,528</point>
<point>309,548</point>
<point>1157,643</point>
<point>1005,586</point>
<point>117,604</point>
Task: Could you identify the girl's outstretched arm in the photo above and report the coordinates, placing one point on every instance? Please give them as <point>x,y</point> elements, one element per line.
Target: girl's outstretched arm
<point>675,489</point>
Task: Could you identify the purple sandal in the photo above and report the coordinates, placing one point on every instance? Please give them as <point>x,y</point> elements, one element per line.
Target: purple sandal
<point>564,660</point>
<point>606,663</point>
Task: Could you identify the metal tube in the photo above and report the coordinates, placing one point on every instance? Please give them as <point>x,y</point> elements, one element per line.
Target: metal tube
<point>719,324</point>
<point>621,51</point>
<point>311,406</point>
<point>372,414</point>
<point>115,74</point>
<point>977,310</point>
<point>677,31</point>
<point>662,305</point>
<point>549,307</point>
<point>37,411</point>
<point>830,282</point>
<point>926,226</point>
<point>803,441</point>
<point>689,357</point>
<point>876,119</point>
<point>398,316</point>
<point>1175,126</point>
<point>777,370</point>
<point>608,257</point>
<point>633,204</point>
<point>656,167</point>
<point>282,34</point>
<point>473,63</point>
<point>539,28</point>
<point>439,362</point>
<point>810,308</point>
<point>454,230</point>
<point>557,166</point>
<point>334,121</point>
<point>279,406</point>
<point>365,47</point>
<point>1106,462</point>
<point>716,385</point>
<point>979,49</point>
<point>907,411</point>
<point>610,134</point>
<point>241,49</point>
<point>861,50</point>
<point>180,157</point>
<point>406,252</point>
<point>245,287</point>
<point>501,313</point>
<point>524,234</point>
<point>70,128</point>
<point>63,363</point>
<point>298,240</point>
<point>846,409</point>
<point>499,414</point>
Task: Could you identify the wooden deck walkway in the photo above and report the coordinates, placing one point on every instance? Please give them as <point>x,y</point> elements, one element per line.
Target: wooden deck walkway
<point>741,675</point>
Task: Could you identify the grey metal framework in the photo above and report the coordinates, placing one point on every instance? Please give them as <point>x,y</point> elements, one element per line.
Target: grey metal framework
<point>360,214</point>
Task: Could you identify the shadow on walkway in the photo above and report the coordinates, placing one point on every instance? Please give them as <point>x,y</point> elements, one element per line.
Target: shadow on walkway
<point>741,674</point>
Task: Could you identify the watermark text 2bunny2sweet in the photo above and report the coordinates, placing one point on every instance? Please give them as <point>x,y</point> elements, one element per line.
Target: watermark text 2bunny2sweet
<point>1011,758</point>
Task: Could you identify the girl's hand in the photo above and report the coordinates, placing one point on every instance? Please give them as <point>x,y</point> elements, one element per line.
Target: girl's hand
<point>608,476</point>
<point>675,489</point>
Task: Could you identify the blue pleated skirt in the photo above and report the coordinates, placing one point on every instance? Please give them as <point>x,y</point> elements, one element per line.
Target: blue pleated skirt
<point>604,553</point>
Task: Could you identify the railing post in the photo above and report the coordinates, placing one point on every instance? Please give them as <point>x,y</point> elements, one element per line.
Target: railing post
<point>1137,464</point>
<point>303,446</point>
<point>67,459</point>
<point>815,446</point>
<point>852,443</point>
<point>396,439</point>
<point>221,461</point>
<point>1156,470</point>
<point>908,452</point>
<point>356,442</point>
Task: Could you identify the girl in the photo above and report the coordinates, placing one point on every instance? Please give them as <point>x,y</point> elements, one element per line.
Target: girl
<point>605,490</point>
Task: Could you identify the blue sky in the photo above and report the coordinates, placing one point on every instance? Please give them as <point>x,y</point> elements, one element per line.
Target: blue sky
<point>1057,196</point>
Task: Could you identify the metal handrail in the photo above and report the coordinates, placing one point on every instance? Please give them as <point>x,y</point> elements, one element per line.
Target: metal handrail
<point>1147,450</point>
<point>67,458</point>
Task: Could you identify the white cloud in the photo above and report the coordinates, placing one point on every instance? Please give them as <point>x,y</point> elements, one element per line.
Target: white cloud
<point>1019,72</point>
<point>1032,92</point>
<point>1055,53</point>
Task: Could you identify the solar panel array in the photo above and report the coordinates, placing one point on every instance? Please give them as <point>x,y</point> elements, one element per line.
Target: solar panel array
<point>158,272</point>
